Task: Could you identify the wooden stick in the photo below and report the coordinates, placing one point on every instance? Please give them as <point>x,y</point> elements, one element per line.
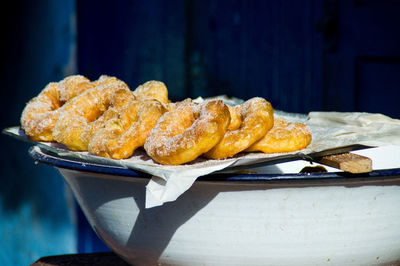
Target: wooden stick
<point>348,162</point>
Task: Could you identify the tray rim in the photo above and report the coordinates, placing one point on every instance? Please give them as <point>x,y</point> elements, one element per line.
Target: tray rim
<point>47,158</point>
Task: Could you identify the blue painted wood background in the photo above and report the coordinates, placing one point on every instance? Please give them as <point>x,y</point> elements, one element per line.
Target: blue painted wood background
<point>38,42</point>
<point>301,55</point>
<point>205,48</point>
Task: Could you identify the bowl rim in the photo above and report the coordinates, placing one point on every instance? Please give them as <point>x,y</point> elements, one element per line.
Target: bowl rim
<point>48,158</point>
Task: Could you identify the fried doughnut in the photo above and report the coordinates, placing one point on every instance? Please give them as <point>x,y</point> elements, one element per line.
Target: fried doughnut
<point>152,90</point>
<point>121,136</point>
<point>74,126</point>
<point>236,118</point>
<point>283,137</point>
<point>72,86</point>
<point>119,100</point>
<point>256,116</point>
<point>187,132</point>
<point>41,113</point>
<point>105,80</point>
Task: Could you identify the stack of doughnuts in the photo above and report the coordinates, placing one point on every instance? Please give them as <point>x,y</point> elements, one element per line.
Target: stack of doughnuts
<point>106,118</point>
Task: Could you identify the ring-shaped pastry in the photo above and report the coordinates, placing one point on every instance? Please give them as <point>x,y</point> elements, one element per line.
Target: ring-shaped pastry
<point>72,86</point>
<point>83,116</point>
<point>77,119</point>
<point>256,116</point>
<point>236,118</point>
<point>122,135</point>
<point>187,132</point>
<point>283,137</point>
<point>41,113</point>
<point>152,89</point>
<point>119,100</point>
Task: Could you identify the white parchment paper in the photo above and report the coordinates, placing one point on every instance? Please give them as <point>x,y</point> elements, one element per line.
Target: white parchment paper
<point>329,129</point>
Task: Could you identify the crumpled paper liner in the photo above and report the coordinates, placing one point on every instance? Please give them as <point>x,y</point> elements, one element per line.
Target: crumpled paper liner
<point>329,129</point>
<point>353,128</point>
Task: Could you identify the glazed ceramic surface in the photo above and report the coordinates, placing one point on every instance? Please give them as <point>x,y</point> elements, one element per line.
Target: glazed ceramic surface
<point>244,219</point>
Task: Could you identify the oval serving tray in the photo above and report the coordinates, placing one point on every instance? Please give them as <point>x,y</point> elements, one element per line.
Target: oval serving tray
<point>46,157</point>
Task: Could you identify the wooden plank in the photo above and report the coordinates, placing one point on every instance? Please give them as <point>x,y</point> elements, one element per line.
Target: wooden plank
<point>348,162</point>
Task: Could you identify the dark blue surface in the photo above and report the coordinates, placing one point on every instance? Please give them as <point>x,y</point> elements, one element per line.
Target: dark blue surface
<point>35,212</point>
<point>362,72</point>
<point>136,41</point>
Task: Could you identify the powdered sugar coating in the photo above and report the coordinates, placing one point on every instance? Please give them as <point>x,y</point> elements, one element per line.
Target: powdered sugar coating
<point>76,123</point>
<point>152,90</point>
<point>283,137</point>
<point>41,113</point>
<point>256,118</point>
<point>185,133</point>
<point>72,86</point>
<point>122,135</point>
<point>93,106</point>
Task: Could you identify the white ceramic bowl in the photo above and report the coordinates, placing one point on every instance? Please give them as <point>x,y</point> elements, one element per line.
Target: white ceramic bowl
<point>246,219</point>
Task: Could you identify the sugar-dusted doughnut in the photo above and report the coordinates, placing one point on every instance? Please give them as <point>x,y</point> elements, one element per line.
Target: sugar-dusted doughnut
<point>187,132</point>
<point>236,118</point>
<point>119,100</point>
<point>283,137</point>
<point>122,135</point>
<point>86,114</point>
<point>76,123</point>
<point>72,86</point>
<point>256,116</point>
<point>152,89</point>
<point>41,113</point>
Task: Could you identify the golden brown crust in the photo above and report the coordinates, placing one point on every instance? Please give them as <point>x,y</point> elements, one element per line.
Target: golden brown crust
<point>105,80</point>
<point>256,117</point>
<point>119,100</point>
<point>283,137</point>
<point>41,113</point>
<point>121,136</point>
<point>90,129</point>
<point>187,132</point>
<point>108,119</point>
<point>77,119</point>
<point>72,86</point>
<point>236,118</point>
<point>152,90</point>
<point>84,116</point>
